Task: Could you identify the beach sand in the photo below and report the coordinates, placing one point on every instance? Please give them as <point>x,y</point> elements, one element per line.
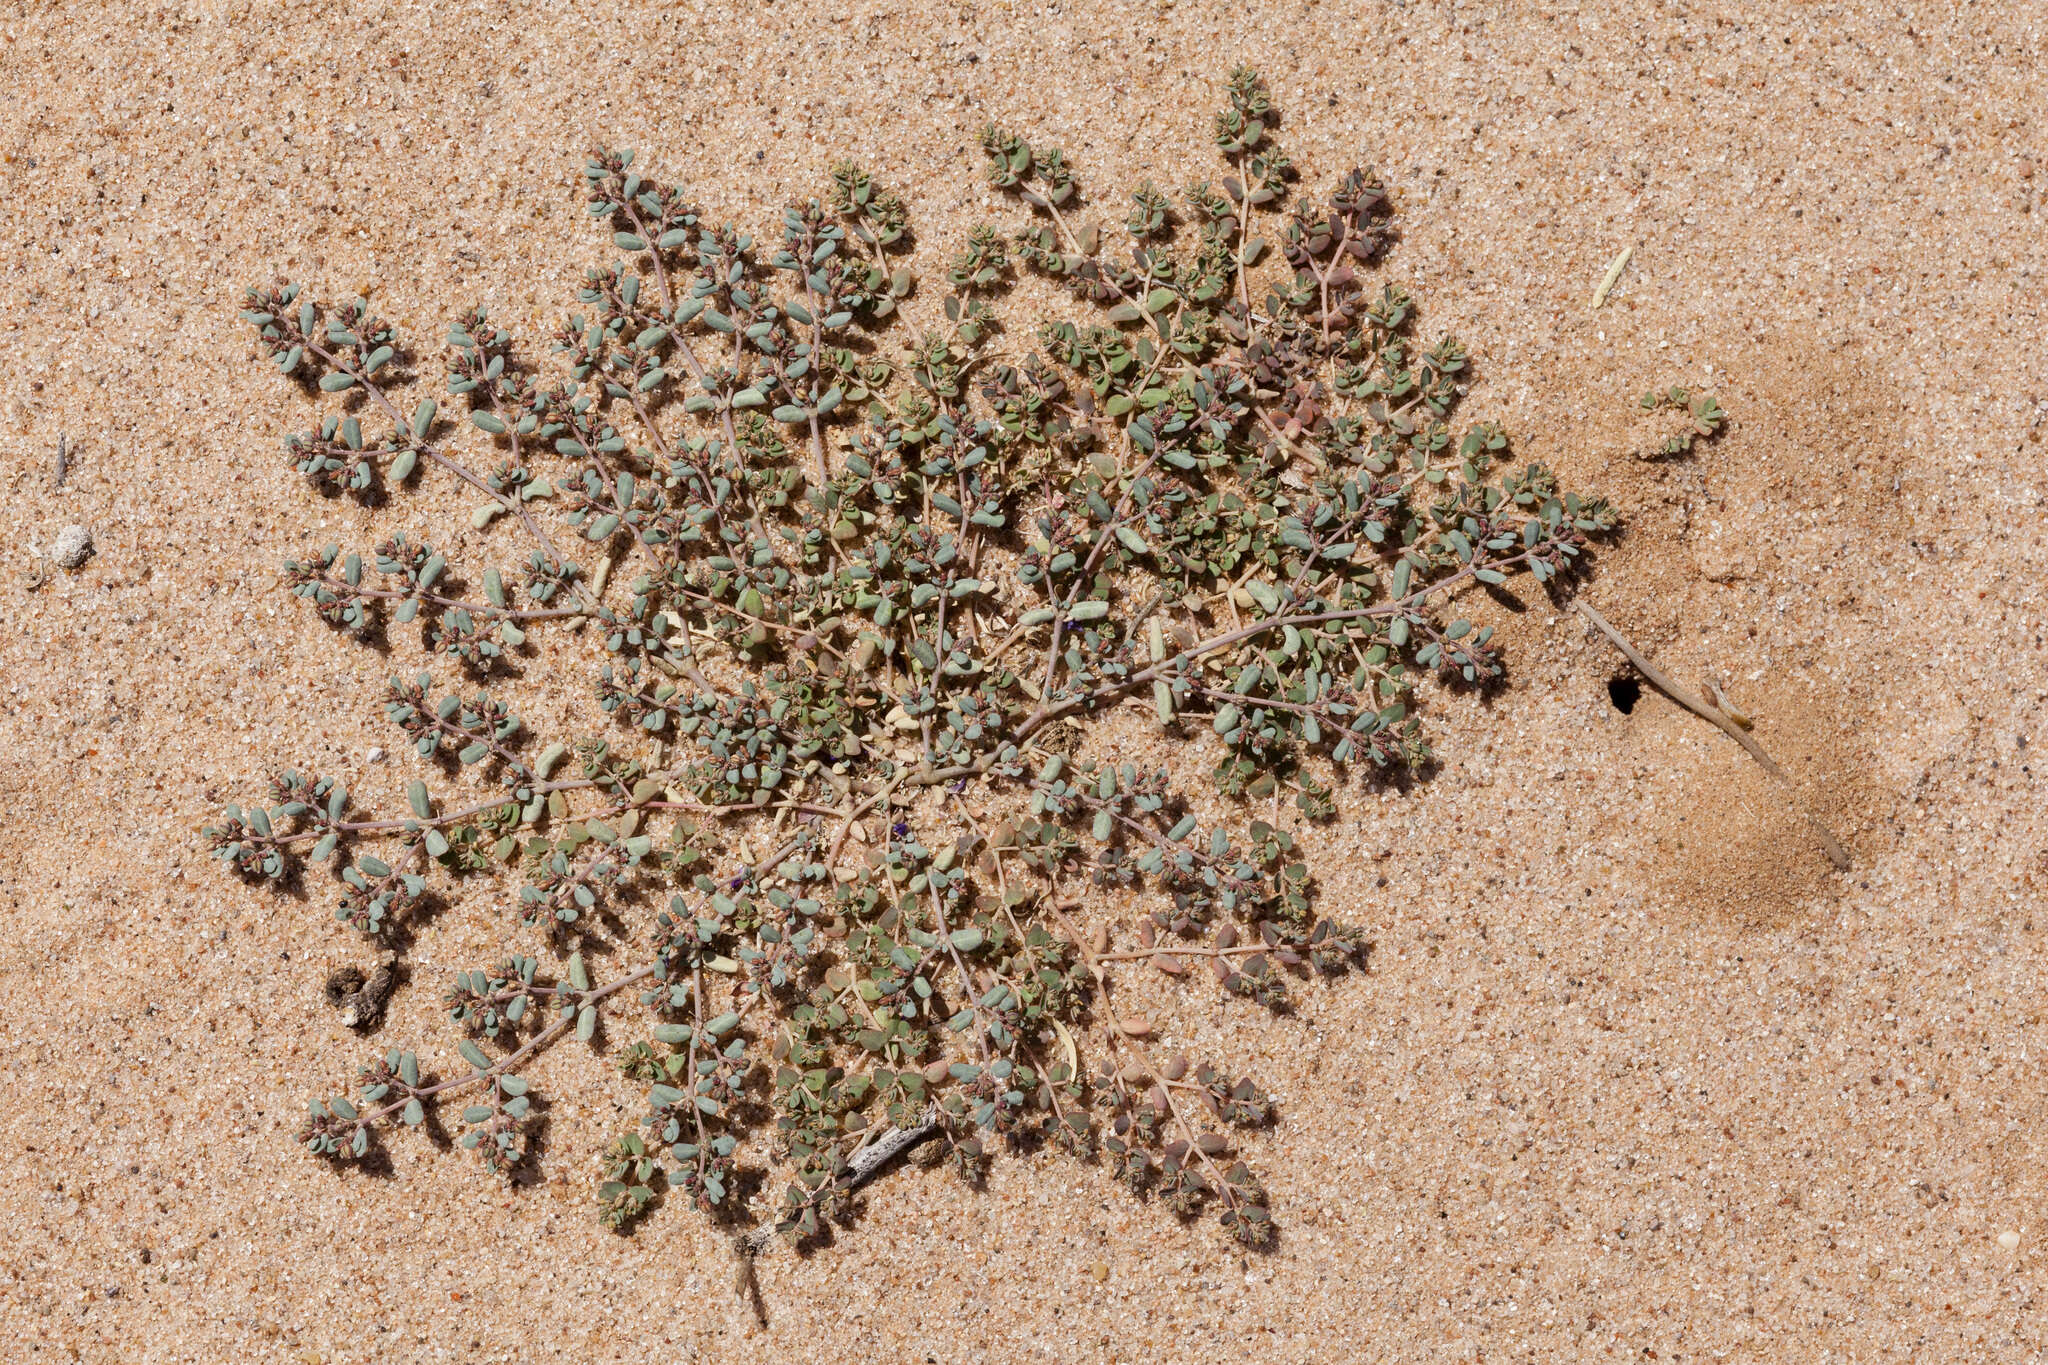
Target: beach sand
<point>1633,1074</point>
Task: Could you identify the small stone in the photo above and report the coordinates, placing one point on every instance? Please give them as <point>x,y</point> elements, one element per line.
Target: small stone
<point>1101,1272</point>
<point>2009,1239</point>
<point>376,755</point>
<point>73,547</point>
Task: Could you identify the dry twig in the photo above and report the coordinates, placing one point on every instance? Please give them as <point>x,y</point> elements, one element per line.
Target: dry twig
<point>1664,683</point>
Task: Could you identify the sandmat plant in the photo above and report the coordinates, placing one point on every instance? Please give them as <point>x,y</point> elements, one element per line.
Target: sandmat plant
<point>873,568</point>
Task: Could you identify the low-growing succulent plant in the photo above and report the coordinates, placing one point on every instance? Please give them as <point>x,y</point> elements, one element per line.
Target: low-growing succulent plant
<point>1703,419</point>
<point>871,566</point>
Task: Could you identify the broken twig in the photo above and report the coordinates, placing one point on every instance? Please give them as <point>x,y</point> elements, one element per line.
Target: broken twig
<point>1663,682</point>
<point>863,1166</point>
<point>745,1247</point>
<point>869,1162</point>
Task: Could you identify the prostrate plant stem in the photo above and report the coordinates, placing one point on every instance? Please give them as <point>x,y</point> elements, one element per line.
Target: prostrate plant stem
<point>884,567</point>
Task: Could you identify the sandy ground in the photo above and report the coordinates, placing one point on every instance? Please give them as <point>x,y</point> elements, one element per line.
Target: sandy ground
<point>1632,1077</point>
